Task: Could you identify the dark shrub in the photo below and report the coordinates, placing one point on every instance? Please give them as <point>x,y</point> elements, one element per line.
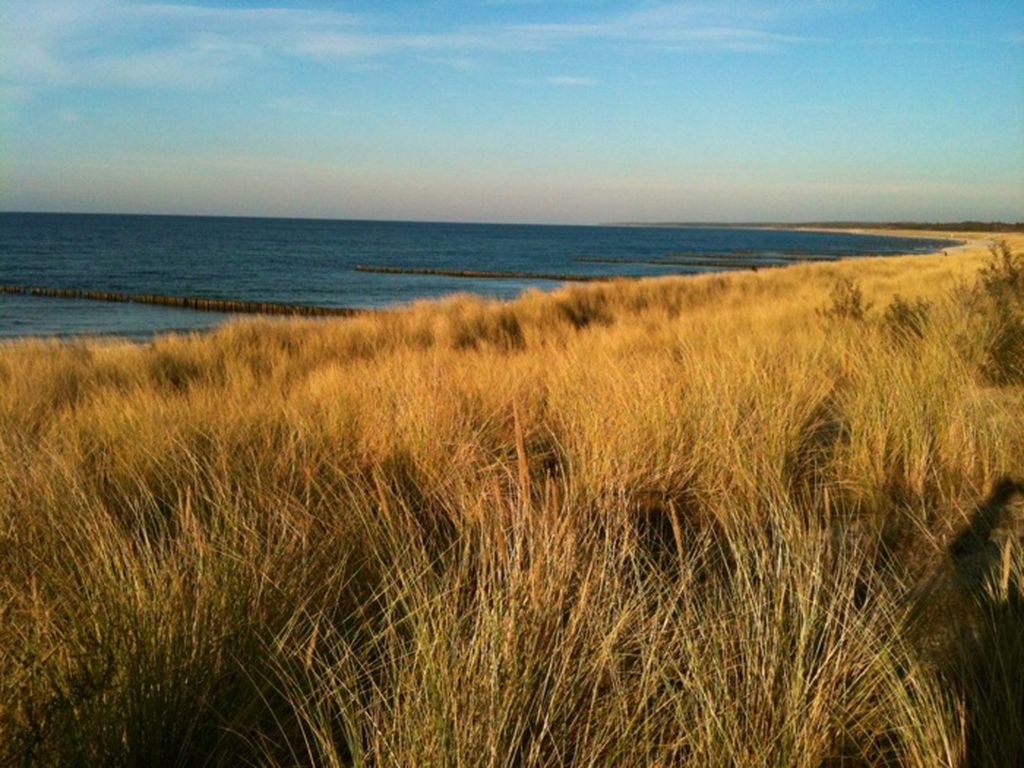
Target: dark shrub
<point>846,301</point>
<point>905,319</point>
<point>1001,289</point>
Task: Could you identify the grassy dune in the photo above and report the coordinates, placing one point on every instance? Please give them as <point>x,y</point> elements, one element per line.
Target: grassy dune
<point>757,519</point>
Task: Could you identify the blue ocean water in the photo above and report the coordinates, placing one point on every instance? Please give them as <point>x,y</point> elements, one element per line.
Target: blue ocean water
<point>312,262</point>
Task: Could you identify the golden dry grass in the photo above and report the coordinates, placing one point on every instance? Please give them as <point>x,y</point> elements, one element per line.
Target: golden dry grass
<point>683,521</point>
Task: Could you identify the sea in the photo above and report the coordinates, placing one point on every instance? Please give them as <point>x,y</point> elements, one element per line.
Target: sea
<point>313,262</point>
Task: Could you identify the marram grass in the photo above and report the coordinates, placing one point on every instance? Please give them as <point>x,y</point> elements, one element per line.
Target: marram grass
<point>761,519</point>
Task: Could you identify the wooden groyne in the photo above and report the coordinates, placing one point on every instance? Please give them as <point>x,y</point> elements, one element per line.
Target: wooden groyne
<point>487,274</point>
<point>753,256</point>
<point>723,264</point>
<point>718,264</point>
<point>742,260</point>
<point>198,303</point>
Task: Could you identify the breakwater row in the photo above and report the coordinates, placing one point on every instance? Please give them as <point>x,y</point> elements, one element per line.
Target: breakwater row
<point>721,262</point>
<point>717,264</point>
<point>185,302</point>
<point>790,257</point>
<point>487,274</point>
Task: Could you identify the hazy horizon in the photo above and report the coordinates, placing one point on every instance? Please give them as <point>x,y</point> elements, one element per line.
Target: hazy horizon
<point>515,111</point>
<point>782,224</point>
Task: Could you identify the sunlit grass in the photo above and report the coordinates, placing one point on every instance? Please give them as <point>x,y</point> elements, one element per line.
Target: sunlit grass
<point>700,521</point>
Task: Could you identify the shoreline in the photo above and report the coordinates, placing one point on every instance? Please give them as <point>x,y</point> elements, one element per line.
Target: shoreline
<point>967,243</point>
<point>963,240</point>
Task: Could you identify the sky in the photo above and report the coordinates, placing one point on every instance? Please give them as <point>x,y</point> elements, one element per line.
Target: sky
<point>580,111</point>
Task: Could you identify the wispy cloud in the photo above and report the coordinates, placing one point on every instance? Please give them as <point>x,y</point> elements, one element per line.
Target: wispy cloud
<point>570,80</point>
<point>729,39</point>
<point>456,62</point>
<point>120,44</point>
<point>11,94</point>
<point>308,105</point>
<point>105,43</point>
<point>332,45</point>
<point>199,62</point>
<point>279,17</point>
<point>116,43</point>
<point>726,25</point>
<point>908,40</point>
<point>822,109</point>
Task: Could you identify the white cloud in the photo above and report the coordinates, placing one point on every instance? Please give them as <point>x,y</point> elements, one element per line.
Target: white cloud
<point>571,80</point>
<point>678,37</point>
<point>120,44</point>
<point>69,116</point>
<point>902,41</point>
<point>11,94</point>
<point>728,39</point>
<point>199,62</point>
<point>114,43</point>
<point>307,105</point>
<point>329,45</point>
<point>278,17</point>
<point>458,63</point>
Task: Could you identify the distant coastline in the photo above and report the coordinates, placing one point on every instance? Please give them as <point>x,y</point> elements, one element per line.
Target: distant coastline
<point>324,267</point>
<point>872,227</point>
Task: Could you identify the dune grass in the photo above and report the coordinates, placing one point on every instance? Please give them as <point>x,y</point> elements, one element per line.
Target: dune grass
<point>758,519</point>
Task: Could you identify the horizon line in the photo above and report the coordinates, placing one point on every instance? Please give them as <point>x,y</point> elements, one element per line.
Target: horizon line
<point>836,223</point>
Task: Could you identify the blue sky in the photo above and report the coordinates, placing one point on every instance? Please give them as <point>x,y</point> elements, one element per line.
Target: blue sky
<point>516,110</point>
